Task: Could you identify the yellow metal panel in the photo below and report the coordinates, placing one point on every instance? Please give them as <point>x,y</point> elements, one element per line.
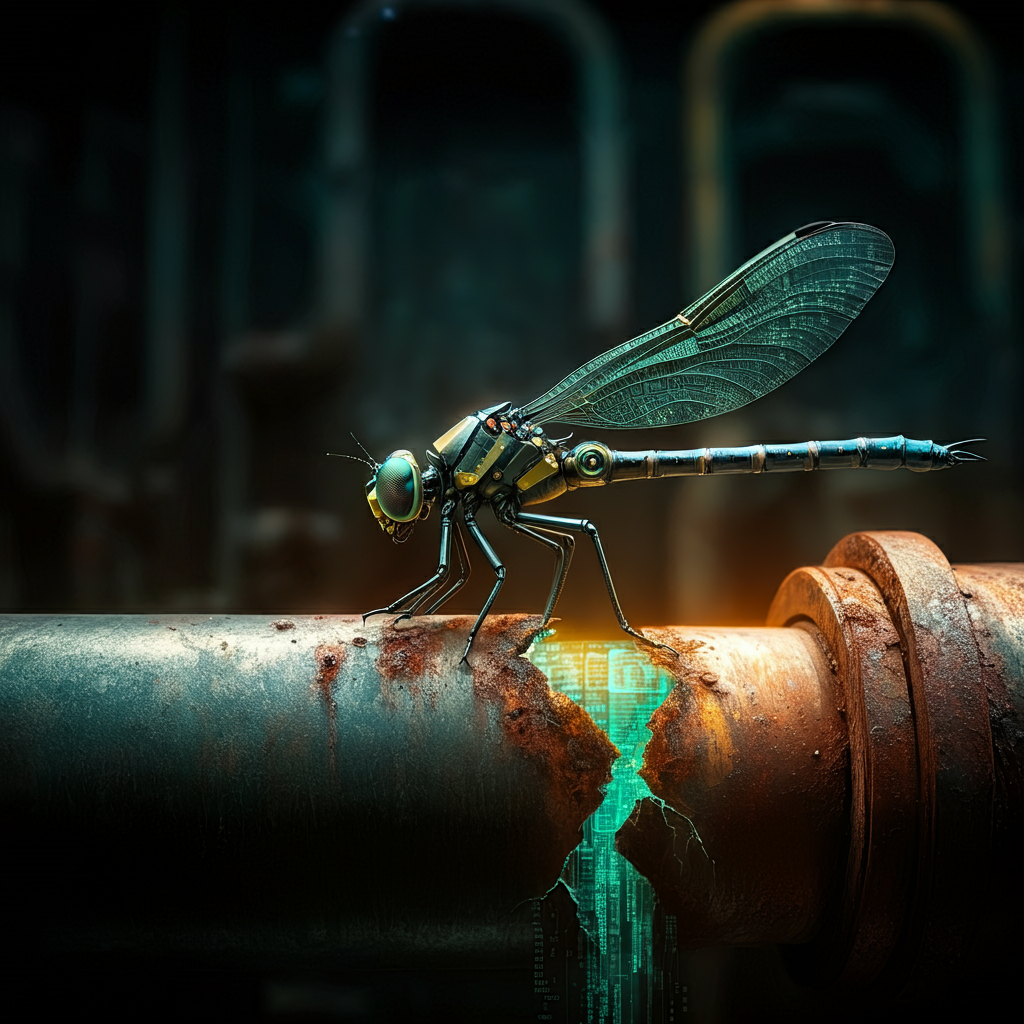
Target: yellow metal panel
<point>501,442</point>
<point>462,427</point>
<point>545,468</point>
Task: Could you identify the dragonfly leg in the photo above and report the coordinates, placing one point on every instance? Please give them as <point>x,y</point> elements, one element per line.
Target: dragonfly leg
<point>562,548</point>
<point>495,562</point>
<point>465,568</point>
<point>587,527</point>
<point>438,577</point>
<point>463,556</point>
<point>427,595</point>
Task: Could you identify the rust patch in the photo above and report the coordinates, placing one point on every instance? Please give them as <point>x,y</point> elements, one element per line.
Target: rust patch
<point>329,659</point>
<point>417,647</point>
<point>953,735</point>
<point>282,624</point>
<point>676,638</point>
<point>995,604</point>
<point>850,618</point>
<point>690,740</point>
<point>545,725</point>
<point>423,656</point>
<point>359,641</point>
<point>420,657</point>
<point>742,848</point>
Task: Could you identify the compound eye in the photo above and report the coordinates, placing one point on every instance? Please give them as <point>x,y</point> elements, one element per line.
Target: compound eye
<point>400,488</point>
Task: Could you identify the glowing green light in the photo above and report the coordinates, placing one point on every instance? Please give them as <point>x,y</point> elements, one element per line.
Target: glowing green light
<point>620,689</point>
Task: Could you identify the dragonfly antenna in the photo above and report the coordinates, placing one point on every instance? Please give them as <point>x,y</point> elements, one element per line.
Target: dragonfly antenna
<point>373,461</point>
<point>354,458</point>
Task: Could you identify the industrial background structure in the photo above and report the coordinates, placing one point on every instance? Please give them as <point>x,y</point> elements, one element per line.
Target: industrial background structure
<point>229,237</point>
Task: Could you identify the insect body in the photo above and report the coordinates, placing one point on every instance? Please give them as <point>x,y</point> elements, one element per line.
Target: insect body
<point>741,340</point>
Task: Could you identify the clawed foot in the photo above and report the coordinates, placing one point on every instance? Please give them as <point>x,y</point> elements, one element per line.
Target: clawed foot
<point>387,611</point>
<point>653,643</point>
<point>664,647</point>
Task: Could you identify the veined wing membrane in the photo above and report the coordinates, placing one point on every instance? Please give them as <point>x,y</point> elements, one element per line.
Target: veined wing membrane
<point>748,335</point>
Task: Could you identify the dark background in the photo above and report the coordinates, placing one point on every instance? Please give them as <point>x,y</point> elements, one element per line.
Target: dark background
<point>222,248</point>
<point>182,342</point>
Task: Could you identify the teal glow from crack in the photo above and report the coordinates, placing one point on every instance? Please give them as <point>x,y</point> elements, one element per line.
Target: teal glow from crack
<point>620,689</point>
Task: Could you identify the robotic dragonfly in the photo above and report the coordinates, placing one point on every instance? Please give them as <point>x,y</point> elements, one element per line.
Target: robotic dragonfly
<point>740,341</point>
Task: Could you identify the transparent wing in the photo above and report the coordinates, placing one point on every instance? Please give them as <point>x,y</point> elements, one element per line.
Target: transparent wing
<point>760,326</point>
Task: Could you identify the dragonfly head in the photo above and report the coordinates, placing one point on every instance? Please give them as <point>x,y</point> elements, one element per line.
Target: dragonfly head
<point>400,493</point>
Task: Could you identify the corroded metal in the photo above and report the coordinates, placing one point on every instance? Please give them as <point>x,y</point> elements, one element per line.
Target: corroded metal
<point>750,754</point>
<point>846,780</point>
<point>994,596</point>
<point>954,741</point>
<point>306,787</point>
<point>880,851</point>
<point>848,612</point>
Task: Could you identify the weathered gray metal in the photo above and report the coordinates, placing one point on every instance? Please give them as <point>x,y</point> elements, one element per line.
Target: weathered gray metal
<point>277,788</point>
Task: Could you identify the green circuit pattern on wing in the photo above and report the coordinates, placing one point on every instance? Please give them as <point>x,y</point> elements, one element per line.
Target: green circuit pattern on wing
<point>747,336</point>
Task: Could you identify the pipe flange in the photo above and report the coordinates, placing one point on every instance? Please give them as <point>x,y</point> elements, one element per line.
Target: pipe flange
<point>868,909</point>
<point>956,776</point>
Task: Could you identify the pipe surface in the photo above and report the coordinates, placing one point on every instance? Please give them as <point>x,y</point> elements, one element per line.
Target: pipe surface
<point>864,804</point>
<point>846,780</point>
<point>750,755</point>
<point>310,787</point>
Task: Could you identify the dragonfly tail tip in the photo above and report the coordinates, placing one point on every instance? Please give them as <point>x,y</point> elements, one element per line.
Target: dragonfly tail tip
<point>959,453</point>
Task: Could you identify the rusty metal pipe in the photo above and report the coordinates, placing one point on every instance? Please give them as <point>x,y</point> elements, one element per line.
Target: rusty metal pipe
<point>846,780</point>
<point>854,790</point>
<point>305,788</point>
<point>750,755</point>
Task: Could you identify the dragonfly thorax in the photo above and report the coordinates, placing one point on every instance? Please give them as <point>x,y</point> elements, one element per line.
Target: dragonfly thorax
<point>498,455</point>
